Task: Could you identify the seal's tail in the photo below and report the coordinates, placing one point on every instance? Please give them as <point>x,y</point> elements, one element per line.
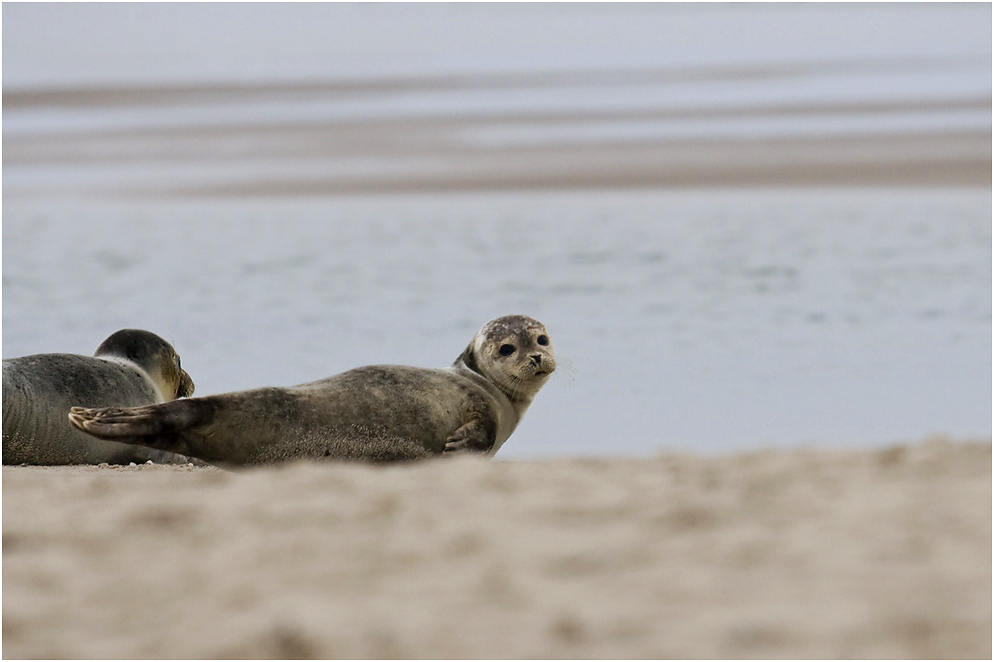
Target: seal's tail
<point>169,426</point>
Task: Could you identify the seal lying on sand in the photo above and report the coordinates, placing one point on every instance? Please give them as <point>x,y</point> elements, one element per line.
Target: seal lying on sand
<point>130,368</point>
<point>375,413</point>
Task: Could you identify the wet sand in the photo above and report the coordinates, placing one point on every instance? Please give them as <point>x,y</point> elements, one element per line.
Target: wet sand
<point>156,149</point>
<point>430,156</point>
<point>782,554</point>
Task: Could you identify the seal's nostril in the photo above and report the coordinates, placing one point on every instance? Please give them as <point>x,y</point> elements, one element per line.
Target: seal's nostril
<point>536,359</point>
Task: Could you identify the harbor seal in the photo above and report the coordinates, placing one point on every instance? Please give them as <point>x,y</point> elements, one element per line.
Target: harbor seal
<point>376,413</point>
<point>130,368</point>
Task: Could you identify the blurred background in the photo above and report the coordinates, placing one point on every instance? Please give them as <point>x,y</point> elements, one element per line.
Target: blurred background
<point>744,225</point>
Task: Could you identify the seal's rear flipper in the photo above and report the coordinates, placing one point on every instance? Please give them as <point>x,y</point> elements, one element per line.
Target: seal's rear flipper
<point>167,426</point>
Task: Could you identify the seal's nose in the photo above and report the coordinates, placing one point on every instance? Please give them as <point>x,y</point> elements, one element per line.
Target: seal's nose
<point>537,359</point>
<point>185,385</point>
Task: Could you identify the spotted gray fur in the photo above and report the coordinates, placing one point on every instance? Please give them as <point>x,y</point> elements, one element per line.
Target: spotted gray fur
<point>375,413</point>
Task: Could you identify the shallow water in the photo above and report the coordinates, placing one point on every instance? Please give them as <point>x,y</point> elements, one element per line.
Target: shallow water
<point>709,321</point>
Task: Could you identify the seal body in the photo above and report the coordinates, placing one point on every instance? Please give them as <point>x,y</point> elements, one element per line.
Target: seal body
<point>130,368</point>
<point>373,413</point>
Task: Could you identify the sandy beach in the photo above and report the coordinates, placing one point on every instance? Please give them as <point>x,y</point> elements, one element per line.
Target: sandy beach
<point>771,554</point>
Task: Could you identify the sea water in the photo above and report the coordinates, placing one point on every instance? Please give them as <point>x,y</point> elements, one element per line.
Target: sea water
<point>708,321</point>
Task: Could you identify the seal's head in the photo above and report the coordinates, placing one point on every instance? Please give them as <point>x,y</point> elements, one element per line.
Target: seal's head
<point>153,355</point>
<point>515,353</point>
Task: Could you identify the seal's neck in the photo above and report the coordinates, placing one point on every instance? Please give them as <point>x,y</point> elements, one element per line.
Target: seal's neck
<point>520,400</point>
<point>153,376</point>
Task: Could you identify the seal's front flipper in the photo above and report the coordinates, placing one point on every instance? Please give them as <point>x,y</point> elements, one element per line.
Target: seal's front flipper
<point>474,437</point>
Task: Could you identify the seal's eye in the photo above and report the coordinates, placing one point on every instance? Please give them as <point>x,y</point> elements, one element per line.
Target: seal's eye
<point>506,350</point>
<point>543,340</point>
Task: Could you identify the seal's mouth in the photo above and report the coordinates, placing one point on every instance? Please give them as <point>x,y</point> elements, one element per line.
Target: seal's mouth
<point>537,376</point>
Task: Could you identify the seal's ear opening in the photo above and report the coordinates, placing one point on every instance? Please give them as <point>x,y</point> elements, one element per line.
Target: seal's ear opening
<point>469,359</point>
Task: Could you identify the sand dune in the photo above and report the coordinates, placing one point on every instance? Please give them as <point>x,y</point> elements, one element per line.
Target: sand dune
<point>769,554</point>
